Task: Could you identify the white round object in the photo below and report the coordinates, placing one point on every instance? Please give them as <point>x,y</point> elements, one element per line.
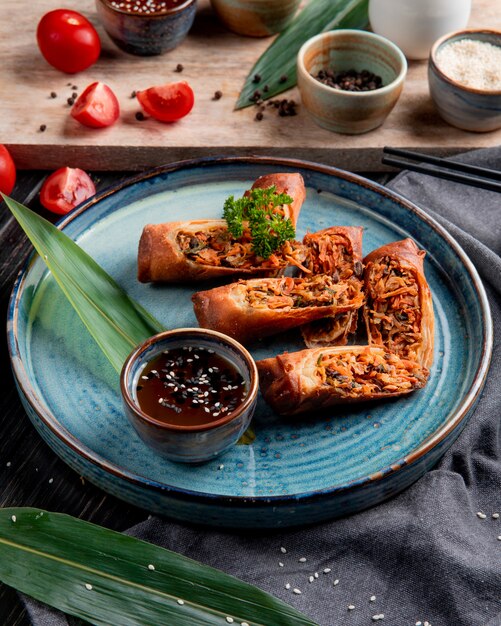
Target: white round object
<point>415,25</point>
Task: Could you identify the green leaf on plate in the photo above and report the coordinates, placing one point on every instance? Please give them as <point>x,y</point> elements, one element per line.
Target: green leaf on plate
<point>106,578</point>
<point>279,59</point>
<point>115,321</point>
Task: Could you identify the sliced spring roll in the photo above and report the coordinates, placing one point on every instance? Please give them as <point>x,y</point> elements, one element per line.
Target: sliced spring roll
<point>336,251</point>
<point>322,377</point>
<point>203,249</point>
<point>259,307</point>
<point>399,310</point>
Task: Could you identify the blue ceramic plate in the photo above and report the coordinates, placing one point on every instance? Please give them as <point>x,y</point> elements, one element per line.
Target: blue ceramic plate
<point>295,472</point>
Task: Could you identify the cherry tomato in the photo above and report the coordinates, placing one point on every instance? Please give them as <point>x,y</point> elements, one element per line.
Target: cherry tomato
<point>65,189</point>
<point>7,171</point>
<point>167,103</point>
<point>68,41</point>
<point>96,107</point>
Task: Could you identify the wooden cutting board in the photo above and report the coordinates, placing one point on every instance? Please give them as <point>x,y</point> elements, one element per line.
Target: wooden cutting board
<point>213,59</point>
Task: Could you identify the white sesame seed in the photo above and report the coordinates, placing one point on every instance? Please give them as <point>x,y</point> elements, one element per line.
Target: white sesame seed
<point>427,624</point>
<point>499,537</point>
<point>297,591</point>
<point>13,518</point>
<point>221,467</point>
<point>244,624</point>
<point>180,601</point>
<point>8,464</point>
<point>229,619</point>
<point>144,377</point>
<point>351,607</point>
<point>315,574</point>
<point>287,585</point>
<point>481,515</point>
<point>283,550</point>
<point>87,586</point>
<point>419,624</point>
<point>327,570</point>
<point>151,567</point>
<point>160,400</point>
<point>373,598</point>
<point>376,618</point>
<point>494,515</point>
<point>51,480</point>
<point>280,564</point>
<point>311,579</point>
<point>302,559</point>
<point>336,582</point>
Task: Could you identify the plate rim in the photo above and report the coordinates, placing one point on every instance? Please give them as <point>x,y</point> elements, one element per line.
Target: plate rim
<point>431,442</point>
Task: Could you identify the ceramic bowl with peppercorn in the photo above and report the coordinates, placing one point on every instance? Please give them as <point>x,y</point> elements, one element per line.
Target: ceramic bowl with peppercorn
<point>350,80</point>
<point>146,27</point>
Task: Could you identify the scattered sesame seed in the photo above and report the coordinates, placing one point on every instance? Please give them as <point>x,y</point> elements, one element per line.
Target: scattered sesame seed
<point>160,400</point>
<point>302,559</point>
<point>499,538</point>
<point>315,574</point>
<point>151,567</point>
<point>51,480</point>
<point>311,579</point>
<point>351,607</point>
<point>283,550</point>
<point>336,582</point>
<point>13,518</point>
<point>427,624</point>
<point>88,586</point>
<point>280,564</point>
<point>229,619</point>
<point>221,467</point>
<point>419,624</point>
<point>373,598</point>
<point>244,624</point>
<point>494,515</point>
<point>287,585</point>
<point>8,464</point>
<point>481,515</point>
<point>296,591</point>
<point>327,570</point>
<point>376,618</point>
<point>180,601</point>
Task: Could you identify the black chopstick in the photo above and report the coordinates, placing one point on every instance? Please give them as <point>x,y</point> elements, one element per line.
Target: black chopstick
<point>472,175</point>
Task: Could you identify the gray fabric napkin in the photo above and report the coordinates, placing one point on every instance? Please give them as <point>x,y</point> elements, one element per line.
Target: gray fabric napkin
<point>425,555</point>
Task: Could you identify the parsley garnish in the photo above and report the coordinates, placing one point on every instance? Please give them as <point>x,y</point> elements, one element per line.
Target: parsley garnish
<point>269,230</point>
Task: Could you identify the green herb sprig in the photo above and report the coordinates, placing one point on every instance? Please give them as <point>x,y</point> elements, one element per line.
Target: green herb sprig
<point>257,211</point>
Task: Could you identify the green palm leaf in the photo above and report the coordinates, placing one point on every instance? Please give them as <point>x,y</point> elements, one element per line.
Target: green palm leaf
<point>108,578</point>
<point>279,59</point>
<point>117,323</point>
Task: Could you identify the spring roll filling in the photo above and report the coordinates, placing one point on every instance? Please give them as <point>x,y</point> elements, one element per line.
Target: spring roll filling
<point>331,254</point>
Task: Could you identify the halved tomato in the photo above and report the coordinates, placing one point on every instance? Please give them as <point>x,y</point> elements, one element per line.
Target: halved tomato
<point>65,189</point>
<point>97,106</point>
<point>7,171</point>
<point>167,103</point>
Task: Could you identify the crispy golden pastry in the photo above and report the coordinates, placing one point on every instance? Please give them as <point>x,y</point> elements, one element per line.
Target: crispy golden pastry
<point>259,307</point>
<point>336,251</point>
<point>399,311</point>
<point>318,378</point>
<point>202,249</point>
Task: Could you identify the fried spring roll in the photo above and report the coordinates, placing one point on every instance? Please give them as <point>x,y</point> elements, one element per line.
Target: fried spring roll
<point>323,377</point>
<point>203,249</point>
<point>399,309</point>
<point>336,251</point>
<point>250,309</point>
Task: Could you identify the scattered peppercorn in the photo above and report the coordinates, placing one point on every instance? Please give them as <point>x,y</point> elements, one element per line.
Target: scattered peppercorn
<point>217,95</point>
<point>68,84</point>
<point>43,128</point>
<point>285,107</point>
<point>140,116</point>
<point>179,67</point>
<point>257,78</point>
<point>74,87</point>
<point>266,89</point>
<point>283,78</point>
<point>74,95</point>
<point>53,94</point>
<point>255,96</point>
<point>70,101</point>
<point>133,94</point>
<point>350,80</point>
<point>259,116</point>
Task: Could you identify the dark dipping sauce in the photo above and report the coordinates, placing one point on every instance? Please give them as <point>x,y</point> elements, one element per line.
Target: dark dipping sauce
<point>190,386</point>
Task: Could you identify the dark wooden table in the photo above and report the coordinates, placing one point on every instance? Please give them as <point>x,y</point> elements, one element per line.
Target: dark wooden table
<point>31,474</point>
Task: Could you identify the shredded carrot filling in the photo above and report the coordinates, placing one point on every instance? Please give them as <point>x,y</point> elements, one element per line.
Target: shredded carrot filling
<point>331,254</point>
<point>367,373</point>
<point>216,247</point>
<point>394,308</point>
<point>294,293</point>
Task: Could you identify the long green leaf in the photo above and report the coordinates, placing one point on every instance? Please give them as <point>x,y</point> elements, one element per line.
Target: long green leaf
<point>108,578</point>
<point>279,59</point>
<point>116,322</point>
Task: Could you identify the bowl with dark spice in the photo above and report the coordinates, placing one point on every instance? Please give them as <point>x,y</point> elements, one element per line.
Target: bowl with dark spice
<point>350,80</point>
<point>146,27</point>
<point>464,78</point>
<point>190,393</point>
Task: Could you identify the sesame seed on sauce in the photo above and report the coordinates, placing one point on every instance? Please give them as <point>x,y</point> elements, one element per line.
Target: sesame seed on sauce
<point>144,7</point>
<point>302,559</point>
<point>283,550</point>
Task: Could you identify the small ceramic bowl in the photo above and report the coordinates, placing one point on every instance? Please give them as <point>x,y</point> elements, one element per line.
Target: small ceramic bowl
<point>183,443</point>
<point>350,112</point>
<point>464,107</point>
<point>146,35</point>
<point>255,18</point>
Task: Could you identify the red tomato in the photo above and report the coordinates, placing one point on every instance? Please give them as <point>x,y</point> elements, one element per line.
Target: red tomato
<point>96,107</point>
<point>68,41</point>
<point>167,103</point>
<point>65,189</point>
<point>7,171</point>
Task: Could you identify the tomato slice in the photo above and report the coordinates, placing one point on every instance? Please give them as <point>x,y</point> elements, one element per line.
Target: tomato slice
<point>7,171</point>
<point>167,103</point>
<point>65,189</point>
<point>96,107</point>
<point>68,41</point>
